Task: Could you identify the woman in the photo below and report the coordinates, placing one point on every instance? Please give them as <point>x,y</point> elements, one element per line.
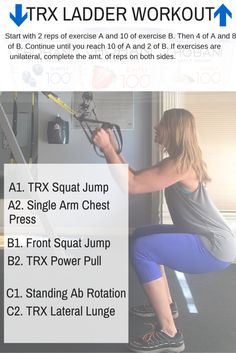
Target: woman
<point>199,240</point>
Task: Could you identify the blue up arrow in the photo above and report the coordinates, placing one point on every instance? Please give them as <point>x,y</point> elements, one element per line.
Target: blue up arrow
<point>18,18</point>
<point>222,11</point>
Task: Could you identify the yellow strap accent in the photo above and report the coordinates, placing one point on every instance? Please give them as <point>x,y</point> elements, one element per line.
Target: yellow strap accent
<point>62,104</point>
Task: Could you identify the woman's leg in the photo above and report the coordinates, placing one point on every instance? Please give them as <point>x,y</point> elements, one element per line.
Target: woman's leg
<point>182,252</point>
<point>163,274</point>
<point>157,294</point>
<point>157,229</point>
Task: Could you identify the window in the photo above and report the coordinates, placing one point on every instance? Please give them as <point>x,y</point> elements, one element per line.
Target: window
<point>215,114</point>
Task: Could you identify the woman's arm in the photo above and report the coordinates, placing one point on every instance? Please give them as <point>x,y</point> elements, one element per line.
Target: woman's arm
<point>143,181</point>
<point>115,146</point>
<point>123,161</point>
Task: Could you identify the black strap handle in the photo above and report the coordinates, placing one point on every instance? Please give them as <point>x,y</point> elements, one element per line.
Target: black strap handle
<point>104,125</point>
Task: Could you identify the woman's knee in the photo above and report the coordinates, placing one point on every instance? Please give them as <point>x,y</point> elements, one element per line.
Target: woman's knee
<point>143,260</point>
<point>139,232</point>
<point>137,248</point>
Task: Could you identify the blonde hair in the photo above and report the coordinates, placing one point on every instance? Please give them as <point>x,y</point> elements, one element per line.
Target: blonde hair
<point>180,142</point>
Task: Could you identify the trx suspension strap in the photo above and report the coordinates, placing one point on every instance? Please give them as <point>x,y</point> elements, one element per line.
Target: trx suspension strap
<point>14,120</point>
<point>86,123</point>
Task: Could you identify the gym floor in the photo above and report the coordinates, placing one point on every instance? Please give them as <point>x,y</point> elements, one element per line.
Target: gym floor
<point>211,328</point>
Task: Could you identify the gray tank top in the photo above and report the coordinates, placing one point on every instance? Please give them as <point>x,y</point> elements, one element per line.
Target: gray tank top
<point>194,212</point>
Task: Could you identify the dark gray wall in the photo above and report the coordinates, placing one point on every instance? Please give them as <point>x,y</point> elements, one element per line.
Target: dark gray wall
<point>136,150</point>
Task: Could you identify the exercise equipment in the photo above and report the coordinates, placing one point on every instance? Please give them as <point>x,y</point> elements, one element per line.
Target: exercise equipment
<point>87,118</point>
<point>32,137</point>
<point>58,131</point>
<point>10,137</point>
<point>14,119</point>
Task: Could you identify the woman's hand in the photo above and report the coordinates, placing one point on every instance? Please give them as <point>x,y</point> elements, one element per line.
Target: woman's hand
<point>113,141</point>
<point>102,139</point>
